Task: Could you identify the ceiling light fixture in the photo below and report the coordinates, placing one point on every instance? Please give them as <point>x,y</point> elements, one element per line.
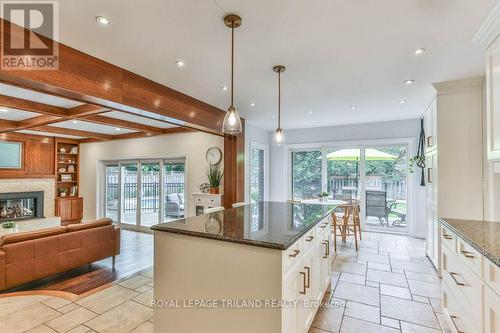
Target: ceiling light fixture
<point>410,81</point>
<point>3,110</point>
<point>252,104</point>
<point>279,134</point>
<point>225,88</point>
<point>309,112</point>
<point>75,121</point>
<point>402,101</point>
<point>118,129</point>
<point>273,116</point>
<point>420,51</point>
<point>353,107</point>
<point>232,122</point>
<point>180,63</point>
<point>102,20</point>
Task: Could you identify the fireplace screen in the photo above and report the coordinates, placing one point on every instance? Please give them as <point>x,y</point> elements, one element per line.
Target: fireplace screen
<point>17,208</point>
<point>23,205</point>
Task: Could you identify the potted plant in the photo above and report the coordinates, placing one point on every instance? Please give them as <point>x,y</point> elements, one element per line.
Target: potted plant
<point>322,196</point>
<point>63,192</point>
<point>214,176</point>
<point>10,225</point>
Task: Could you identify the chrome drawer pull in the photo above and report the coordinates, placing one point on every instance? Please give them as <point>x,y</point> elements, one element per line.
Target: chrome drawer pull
<point>455,325</point>
<point>310,238</point>
<point>468,254</point>
<point>323,225</point>
<point>455,279</point>
<point>295,253</point>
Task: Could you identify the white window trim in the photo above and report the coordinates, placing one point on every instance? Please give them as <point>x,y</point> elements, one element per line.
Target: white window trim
<point>258,145</point>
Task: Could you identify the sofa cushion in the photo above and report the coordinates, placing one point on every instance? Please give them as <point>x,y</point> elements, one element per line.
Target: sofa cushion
<point>89,225</point>
<point>27,235</point>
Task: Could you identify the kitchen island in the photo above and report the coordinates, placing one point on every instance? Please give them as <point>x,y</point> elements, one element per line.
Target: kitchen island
<point>263,267</point>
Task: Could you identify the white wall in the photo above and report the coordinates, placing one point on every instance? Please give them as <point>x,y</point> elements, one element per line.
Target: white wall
<point>258,135</point>
<point>279,169</point>
<point>192,145</point>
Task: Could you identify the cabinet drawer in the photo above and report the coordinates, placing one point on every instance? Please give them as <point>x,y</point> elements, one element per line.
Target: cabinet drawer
<point>491,311</point>
<point>292,255</point>
<point>448,238</point>
<point>469,255</point>
<point>458,318</point>
<point>464,284</point>
<point>492,276</point>
<point>206,200</point>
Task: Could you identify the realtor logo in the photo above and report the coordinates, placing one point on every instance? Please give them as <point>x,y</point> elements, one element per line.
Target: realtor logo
<point>29,29</point>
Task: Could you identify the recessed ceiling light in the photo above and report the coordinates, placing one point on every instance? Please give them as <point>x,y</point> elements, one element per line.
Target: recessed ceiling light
<point>3,110</point>
<point>225,88</point>
<point>252,104</point>
<point>309,112</point>
<point>118,129</point>
<point>180,63</point>
<point>419,51</point>
<point>402,101</point>
<point>409,81</point>
<point>353,107</point>
<point>273,116</point>
<point>102,20</point>
<point>75,121</point>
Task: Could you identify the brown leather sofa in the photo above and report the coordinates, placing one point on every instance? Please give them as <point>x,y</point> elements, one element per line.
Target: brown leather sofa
<point>29,256</point>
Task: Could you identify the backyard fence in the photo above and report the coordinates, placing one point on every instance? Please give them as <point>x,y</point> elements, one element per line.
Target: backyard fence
<point>150,189</point>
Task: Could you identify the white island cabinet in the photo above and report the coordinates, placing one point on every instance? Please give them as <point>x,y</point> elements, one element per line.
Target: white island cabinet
<point>256,268</point>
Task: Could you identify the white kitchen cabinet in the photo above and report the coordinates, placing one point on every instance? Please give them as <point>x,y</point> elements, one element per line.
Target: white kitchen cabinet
<point>469,302</point>
<point>292,284</point>
<point>493,101</point>
<point>432,239</point>
<point>430,127</point>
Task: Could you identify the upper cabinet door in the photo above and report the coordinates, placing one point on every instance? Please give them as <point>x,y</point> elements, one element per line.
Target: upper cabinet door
<point>493,100</point>
<point>430,127</point>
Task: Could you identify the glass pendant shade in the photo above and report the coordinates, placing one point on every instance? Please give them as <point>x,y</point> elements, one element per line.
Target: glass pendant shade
<point>279,137</point>
<point>232,122</point>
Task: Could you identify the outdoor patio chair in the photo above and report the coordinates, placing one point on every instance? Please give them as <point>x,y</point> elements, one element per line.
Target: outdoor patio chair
<point>175,205</point>
<point>376,205</point>
<point>401,221</point>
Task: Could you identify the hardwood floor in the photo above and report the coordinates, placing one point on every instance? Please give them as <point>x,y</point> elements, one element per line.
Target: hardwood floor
<point>136,254</point>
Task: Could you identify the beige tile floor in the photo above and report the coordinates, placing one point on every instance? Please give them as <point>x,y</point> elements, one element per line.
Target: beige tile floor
<point>388,286</point>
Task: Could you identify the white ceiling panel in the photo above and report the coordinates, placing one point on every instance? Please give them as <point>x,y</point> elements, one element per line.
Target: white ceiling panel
<point>14,91</point>
<point>138,119</point>
<point>16,115</point>
<point>51,134</point>
<point>92,127</point>
<point>337,53</point>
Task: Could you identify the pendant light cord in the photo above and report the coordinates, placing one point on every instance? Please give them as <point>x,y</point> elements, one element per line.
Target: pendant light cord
<point>279,99</point>
<point>232,62</point>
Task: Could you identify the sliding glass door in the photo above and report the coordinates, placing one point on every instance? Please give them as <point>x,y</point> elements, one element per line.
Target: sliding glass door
<point>134,191</point>
<point>376,175</point>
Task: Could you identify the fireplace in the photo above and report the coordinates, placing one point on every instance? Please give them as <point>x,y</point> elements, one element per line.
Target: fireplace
<point>21,205</point>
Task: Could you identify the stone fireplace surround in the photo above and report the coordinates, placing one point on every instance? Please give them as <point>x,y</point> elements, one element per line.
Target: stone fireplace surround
<point>47,185</point>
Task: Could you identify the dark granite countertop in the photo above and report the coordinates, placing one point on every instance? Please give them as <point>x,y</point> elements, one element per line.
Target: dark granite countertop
<point>275,225</point>
<point>484,236</point>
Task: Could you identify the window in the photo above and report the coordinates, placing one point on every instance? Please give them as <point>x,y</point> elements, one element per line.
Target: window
<point>258,172</point>
<point>306,174</point>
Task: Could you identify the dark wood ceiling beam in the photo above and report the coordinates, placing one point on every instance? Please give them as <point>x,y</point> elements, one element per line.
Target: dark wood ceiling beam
<point>103,120</point>
<point>36,121</point>
<point>86,110</point>
<point>6,124</point>
<point>68,131</point>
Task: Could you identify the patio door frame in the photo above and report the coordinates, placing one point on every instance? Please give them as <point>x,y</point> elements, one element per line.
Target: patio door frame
<point>362,145</point>
<point>119,162</point>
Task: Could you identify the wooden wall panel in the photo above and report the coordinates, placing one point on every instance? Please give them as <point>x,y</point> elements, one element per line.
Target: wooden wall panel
<point>37,156</point>
<point>234,168</point>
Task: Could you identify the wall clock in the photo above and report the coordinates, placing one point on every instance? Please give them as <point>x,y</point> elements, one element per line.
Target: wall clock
<point>214,155</point>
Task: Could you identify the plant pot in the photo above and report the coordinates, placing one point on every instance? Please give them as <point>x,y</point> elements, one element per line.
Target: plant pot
<point>214,190</point>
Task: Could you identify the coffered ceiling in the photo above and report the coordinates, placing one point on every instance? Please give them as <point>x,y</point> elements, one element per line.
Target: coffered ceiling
<point>339,54</point>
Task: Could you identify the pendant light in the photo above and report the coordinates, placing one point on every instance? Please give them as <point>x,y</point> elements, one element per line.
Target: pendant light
<point>279,134</point>
<point>232,121</point>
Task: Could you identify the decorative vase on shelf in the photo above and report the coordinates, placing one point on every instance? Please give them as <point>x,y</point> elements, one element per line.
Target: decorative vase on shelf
<point>214,190</point>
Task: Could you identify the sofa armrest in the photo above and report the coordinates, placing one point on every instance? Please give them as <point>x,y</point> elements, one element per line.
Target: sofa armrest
<point>2,270</point>
<point>117,240</point>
